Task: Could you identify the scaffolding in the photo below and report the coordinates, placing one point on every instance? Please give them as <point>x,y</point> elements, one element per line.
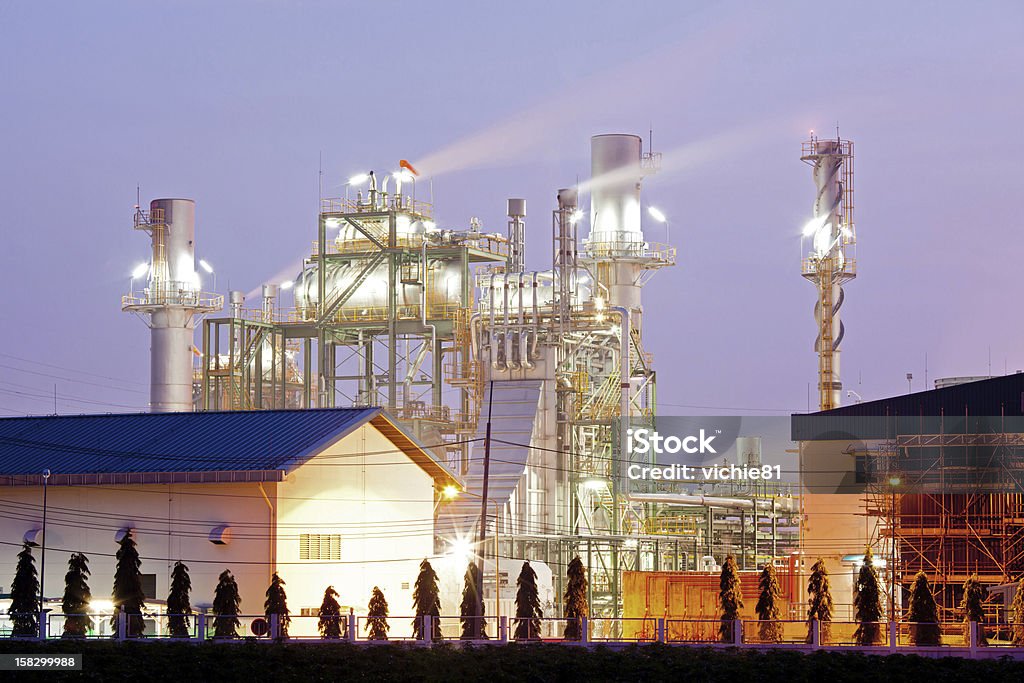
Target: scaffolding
<point>950,505</point>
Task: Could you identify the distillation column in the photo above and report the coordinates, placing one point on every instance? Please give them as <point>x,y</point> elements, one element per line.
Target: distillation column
<point>827,264</point>
<point>171,301</point>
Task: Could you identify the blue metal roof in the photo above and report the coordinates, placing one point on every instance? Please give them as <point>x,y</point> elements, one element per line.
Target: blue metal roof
<point>172,442</point>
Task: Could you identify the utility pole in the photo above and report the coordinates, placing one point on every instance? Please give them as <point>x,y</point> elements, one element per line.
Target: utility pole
<point>483,516</point>
<point>42,561</point>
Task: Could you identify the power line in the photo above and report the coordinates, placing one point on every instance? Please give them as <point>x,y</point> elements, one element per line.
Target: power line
<point>80,372</point>
<point>64,398</point>
<point>764,410</point>
<point>71,379</point>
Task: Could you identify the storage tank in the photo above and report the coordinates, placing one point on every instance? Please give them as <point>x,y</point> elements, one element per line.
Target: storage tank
<point>444,285</point>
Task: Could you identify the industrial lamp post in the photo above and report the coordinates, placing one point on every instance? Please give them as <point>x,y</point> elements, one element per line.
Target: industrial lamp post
<point>659,215</point>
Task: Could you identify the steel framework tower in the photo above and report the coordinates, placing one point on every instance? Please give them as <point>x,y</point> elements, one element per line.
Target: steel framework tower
<point>830,261</point>
<point>395,289</point>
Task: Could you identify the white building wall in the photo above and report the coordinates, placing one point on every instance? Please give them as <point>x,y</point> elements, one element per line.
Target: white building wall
<point>170,522</point>
<point>362,488</point>
<point>382,506</point>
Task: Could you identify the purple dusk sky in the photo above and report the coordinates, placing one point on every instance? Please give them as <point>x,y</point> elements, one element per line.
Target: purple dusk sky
<point>233,103</point>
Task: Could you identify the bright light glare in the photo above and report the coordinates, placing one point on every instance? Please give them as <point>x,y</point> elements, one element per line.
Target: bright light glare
<point>575,216</point>
<point>287,284</point>
<point>599,303</point>
<point>894,481</point>
<point>140,270</point>
<point>430,225</point>
<point>404,175</point>
<point>332,223</point>
<point>101,606</point>
<point>205,266</point>
<point>461,547</point>
<point>359,179</point>
<point>450,491</point>
<point>814,224</point>
<point>594,484</point>
<point>847,233</point>
<point>656,214</point>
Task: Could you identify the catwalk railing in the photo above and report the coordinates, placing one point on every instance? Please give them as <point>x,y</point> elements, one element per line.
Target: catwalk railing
<point>946,639</point>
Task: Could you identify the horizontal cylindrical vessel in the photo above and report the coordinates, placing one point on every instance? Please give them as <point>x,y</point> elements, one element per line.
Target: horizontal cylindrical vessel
<point>444,285</point>
<point>615,172</point>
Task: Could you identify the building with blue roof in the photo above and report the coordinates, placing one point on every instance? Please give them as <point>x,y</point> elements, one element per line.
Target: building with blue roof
<point>341,497</point>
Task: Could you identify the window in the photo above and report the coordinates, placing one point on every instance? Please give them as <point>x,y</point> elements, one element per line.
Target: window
<point>149,586</point>
<point>319,546</point>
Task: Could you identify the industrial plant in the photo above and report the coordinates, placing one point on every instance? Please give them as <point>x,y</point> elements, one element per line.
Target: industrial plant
<point>515,377</point>
<point>510,394</point>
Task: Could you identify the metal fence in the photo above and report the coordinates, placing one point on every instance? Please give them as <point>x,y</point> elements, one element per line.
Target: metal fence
<point>941,639</point>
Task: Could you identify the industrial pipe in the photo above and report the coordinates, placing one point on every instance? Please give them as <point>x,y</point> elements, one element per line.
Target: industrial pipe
<point>783,504</point>
<point>423,320</point>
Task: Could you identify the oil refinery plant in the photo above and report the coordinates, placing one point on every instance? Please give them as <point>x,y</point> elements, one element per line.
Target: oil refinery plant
<point>392,310</point>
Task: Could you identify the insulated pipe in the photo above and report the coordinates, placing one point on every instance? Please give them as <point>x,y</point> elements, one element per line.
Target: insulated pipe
<point>530,338</point>
<point>536,318</point>
<point>269,301</point>
<point>237,301</point>
<point>492,332</point>
<point>523,338</point>
<point>784,504</point>
<point>383,194</point>
<point>623,367</point>
<point>510,362</point>
<point>474,336</point>
<point>423,320</point>
<point>623,382</point>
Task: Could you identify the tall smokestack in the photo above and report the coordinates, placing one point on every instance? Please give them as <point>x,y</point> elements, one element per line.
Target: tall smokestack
<point>171,301</point>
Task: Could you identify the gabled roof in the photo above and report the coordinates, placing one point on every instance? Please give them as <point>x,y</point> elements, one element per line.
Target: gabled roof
<point>186,447</point>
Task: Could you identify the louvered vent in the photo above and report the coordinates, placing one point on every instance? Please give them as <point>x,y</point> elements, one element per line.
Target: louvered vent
<point>319,546</point>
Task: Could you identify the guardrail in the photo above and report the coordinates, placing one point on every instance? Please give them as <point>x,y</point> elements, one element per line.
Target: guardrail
<point>172,294</point>
<point>971,640</point>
